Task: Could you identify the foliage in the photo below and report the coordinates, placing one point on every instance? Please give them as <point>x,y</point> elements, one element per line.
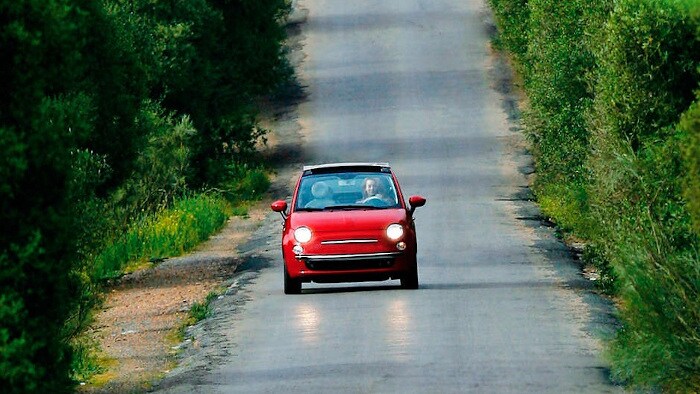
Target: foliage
<point>246,182</point>
<point>607,281</point>
<point>512,17</point>
<point>568,202</point>
<point>690,124</point>
<point>163,163</point>
<point>617,164</point>
<point>42,118</point>
<point>647,71</point>
<point>86,360</point>
<point>650,246</point>
<point>649,59</point>
<point>558,61</point>
<point>169,232</point>
<point>216,56</point>
<point>200,311</point>
<point>111,113</point>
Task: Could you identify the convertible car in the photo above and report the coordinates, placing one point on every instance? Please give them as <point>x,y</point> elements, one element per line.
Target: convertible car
<point>348,222</point>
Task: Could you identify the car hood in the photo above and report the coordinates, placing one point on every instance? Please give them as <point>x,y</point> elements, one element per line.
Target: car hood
<point>353,220</point>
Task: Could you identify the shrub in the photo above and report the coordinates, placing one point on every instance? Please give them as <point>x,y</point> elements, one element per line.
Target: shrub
<point>162,165</point>
<point>512,19</point>
<point>647,57</point>
<point>42,119</point>
<point>690,124</point>
<point>216,58</point>
<point>98,108</point>
<point>614,164</point>
<point>244,182</point>
<point>558,61</point>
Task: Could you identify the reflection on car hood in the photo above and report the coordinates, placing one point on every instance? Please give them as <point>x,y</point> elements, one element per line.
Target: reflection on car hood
<point>351,220</point>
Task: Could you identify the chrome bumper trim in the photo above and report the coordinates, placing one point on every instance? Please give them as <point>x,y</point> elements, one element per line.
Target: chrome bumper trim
<point>350,241</point>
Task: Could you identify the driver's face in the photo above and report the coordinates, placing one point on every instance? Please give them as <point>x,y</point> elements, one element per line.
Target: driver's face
<point>371,187</point>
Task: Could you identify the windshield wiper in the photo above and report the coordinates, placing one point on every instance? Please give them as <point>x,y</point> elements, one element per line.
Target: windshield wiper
<point>309,209</point>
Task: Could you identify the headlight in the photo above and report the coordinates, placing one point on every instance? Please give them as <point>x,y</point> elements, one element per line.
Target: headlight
<point>394,231</point>
<point>302,235</point>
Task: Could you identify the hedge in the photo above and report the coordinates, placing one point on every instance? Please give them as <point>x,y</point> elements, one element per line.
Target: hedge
<point>613,119</point>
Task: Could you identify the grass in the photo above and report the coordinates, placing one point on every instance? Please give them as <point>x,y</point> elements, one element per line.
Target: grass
<point>86,359</point>
<point>201,311</point>
<point>566,203</point>
<point>170,232</point>
<point>198,312</point>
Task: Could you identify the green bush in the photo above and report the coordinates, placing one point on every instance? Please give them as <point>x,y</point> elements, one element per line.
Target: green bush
<point>43,118</point>
<point>655,255</point>
<point>162,165</point>
<point>647,56</point>
<point>567,203</point>
<point>99,105</point>
<point>690,124</point>
<point>215,59</point>
<point>512,20</point>
<point>244,182</point>
<point>200,311</point>
<point>559,60</point>
<point>86,360</point>
<point>555,65</point>
<point>607,83</point>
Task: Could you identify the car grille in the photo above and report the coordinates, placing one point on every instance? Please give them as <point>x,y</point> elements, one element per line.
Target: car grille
<point>349,241</point>
<point>354,264</point>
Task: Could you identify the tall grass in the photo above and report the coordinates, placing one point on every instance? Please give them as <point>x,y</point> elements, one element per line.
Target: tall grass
<point>169,232</point>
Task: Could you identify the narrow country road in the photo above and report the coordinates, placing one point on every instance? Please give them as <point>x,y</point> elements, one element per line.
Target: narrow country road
<point>501,308</point>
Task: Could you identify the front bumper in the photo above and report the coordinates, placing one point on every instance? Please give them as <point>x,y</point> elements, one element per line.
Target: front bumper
<point>350,267</point>
<point>344,262</point>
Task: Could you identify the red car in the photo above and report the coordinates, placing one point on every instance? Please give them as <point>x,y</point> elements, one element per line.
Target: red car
<point>348,222</point>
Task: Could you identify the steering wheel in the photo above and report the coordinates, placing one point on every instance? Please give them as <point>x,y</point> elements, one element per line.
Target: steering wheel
<point>374,201</point>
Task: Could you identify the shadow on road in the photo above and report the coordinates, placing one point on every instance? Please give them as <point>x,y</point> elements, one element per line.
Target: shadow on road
<point>350,288</point>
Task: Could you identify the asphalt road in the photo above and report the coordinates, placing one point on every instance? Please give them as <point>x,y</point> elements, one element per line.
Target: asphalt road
<point>502,306</point>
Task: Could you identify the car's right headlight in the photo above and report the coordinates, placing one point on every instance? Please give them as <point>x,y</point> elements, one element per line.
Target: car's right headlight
<point>302,235</point>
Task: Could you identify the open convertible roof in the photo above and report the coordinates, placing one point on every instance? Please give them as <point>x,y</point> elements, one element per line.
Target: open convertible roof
<point>346,167</point>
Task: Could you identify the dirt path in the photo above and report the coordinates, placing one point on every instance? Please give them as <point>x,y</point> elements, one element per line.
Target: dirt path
<point>136,327</point>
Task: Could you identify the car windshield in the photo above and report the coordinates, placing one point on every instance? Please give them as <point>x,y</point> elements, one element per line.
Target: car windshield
<point>348,190</point>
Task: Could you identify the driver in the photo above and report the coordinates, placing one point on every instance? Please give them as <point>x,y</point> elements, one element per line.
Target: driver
<point>371,190</point>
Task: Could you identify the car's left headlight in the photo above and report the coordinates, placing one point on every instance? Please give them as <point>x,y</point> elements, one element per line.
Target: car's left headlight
<point>394,232</point>
<point>302,235</point>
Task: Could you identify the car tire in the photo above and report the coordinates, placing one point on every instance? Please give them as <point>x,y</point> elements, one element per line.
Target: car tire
<point>291,286</point>
<point>410,280</point>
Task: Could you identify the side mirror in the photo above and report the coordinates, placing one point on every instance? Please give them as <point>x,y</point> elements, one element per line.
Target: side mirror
<point>415,202</point>
<point>281,207</point>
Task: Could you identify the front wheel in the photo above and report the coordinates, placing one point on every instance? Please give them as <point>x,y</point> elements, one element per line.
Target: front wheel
<point>292,286</point>
<point>410,280</point>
